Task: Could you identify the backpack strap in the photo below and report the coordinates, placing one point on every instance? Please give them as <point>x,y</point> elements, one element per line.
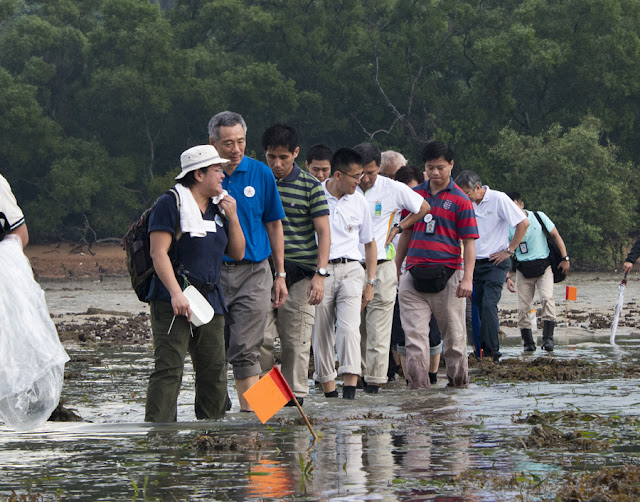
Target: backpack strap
<point>544,227</point>
<point>178,232</point>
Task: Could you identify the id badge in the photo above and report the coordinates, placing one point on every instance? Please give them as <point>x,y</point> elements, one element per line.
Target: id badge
<point>431,227</point>
<point>378,211</point>
<point>523,247</point>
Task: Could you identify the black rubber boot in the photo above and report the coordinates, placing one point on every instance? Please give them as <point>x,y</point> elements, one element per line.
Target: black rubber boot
<point>527,338</point>
<point>547,335</point>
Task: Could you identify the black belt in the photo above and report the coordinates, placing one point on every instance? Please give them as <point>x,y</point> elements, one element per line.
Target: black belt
<point>379,262</point>
<point>483,260</point>
<point>335,261</point>
<point>241,262</point>
<point>203,287</point>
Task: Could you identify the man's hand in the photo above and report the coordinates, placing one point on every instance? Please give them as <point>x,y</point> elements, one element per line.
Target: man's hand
<point>499,257</point>
<point>315,291</point>
<point>564,266</point>
<point>367,295</point>
<point>625,268</point>
<point>392,235</point>
<point>465,288</point>
<point>279,292</point>
<point>510,285</point>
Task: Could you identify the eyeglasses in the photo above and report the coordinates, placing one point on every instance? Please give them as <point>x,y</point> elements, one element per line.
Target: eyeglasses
<point>356,177</point>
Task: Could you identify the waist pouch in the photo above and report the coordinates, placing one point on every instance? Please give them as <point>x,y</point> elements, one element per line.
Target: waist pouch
<point>533,268</point>
<point>431,279</point>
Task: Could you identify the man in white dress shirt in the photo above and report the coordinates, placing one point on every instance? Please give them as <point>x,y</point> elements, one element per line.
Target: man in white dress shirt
<point>346,291</point>
<point>495,214</point>
<point>386,198</point>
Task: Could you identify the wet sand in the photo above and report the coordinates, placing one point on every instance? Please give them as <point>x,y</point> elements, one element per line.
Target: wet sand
<point>539,427</point>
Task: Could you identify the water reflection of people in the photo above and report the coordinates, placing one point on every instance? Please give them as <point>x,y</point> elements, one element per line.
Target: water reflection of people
<point>206,237</point>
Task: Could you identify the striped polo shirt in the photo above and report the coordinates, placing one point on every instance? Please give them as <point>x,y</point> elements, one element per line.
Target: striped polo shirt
<point>454,219</point>
<point>303,200</point>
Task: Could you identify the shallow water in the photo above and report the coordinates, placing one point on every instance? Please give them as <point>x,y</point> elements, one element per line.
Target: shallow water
<point>398,445</point>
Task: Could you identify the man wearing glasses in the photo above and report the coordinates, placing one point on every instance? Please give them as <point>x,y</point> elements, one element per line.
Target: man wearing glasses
<point>346,291</point>
<point>386,198</point>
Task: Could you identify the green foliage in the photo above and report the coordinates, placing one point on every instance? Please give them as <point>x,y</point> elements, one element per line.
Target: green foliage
<point>99,97</point>
<point>579,183</point>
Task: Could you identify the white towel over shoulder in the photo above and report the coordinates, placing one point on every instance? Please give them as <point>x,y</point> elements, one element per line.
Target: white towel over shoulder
<point>190,215</point>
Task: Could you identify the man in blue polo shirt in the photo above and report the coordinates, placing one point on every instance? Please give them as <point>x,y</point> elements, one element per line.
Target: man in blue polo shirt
<point>247,284</point>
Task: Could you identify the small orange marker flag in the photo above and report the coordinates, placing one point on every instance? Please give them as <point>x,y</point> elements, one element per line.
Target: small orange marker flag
<point>572,293</point>
<point>269,394</point>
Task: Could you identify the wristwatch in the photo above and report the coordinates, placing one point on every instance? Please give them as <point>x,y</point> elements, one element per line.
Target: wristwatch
<point>397,225</point>
<point>281,274</point>
<point>322,272</point>
<point>565,258</point>
<point>511,253</point>
<point>373,282</point>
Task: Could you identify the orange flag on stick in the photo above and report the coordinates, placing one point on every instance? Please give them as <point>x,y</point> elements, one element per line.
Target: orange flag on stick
<point>269,394</point>
<point>572,293</point>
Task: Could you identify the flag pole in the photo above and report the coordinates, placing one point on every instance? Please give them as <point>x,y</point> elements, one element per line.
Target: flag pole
<point>306,420</point>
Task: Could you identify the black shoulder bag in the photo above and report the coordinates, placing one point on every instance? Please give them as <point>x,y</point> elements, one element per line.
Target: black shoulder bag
<point>555,256</point>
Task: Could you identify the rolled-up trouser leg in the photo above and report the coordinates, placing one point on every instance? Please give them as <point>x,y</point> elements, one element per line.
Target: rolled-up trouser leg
<point>247,290</point>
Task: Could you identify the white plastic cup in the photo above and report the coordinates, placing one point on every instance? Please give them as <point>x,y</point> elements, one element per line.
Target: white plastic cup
<point>201,309</point>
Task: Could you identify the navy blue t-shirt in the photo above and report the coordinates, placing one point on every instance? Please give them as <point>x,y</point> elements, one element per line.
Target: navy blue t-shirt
<point>201,257</point>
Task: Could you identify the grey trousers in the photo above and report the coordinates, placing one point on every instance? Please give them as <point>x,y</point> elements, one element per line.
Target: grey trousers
<point>247,291</point>
<point>449,310</point>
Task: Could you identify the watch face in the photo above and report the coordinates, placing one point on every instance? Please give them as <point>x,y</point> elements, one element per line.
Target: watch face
<point>322,271</point>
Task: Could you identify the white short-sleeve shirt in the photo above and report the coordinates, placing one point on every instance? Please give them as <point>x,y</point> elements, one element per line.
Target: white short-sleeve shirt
<point>386,199</point>
<point>11,217</point>
<point>495,214</point>
<point>350,224</point>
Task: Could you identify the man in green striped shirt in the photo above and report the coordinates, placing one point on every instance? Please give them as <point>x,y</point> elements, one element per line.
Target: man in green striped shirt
<point>305,258</point>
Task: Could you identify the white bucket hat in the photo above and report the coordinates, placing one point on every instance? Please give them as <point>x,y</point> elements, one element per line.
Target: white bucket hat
<point>198,157</point>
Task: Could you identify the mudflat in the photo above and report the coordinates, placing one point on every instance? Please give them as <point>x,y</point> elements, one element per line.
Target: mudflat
<point>68,260</point>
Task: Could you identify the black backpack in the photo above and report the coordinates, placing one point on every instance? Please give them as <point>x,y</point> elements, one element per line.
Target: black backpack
<point>137,245</point>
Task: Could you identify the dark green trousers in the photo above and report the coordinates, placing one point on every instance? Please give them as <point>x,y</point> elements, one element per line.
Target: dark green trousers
<point>207,351</point>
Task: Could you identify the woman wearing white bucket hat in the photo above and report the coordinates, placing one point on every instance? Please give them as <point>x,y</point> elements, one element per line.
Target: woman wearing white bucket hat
<point>209,225</point>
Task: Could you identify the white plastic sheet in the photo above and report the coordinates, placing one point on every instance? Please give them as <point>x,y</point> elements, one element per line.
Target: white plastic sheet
<point>31,356</point>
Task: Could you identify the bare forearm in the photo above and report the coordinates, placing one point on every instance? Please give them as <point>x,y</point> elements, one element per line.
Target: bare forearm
<point>323,231</point>
<point>518,235</point>
<point>236,243</point>
<point>469,258</point>
<point>276,239</point>
<point>371,258</point>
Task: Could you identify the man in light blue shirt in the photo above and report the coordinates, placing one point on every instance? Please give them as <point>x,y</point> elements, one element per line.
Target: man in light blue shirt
<point>533,270</point>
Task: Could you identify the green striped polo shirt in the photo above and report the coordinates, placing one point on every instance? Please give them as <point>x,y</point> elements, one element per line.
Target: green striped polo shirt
<point>303,200</point>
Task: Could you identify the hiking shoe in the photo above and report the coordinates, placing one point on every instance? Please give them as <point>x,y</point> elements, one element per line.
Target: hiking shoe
<point>547,344</point>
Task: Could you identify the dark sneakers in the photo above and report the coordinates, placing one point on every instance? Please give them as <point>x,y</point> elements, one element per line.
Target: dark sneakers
<point>371,389</point>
